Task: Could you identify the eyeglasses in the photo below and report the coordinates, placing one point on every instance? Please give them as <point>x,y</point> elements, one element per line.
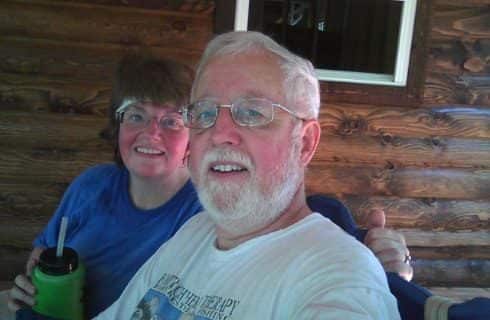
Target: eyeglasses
<point>249,112</point>
<point>137,118</point>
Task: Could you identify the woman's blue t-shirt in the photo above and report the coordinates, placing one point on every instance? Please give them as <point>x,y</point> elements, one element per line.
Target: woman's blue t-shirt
<point>112,236</point>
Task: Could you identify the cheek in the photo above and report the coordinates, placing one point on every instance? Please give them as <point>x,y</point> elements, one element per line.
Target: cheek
<point>271,158</point>
<point>177,144</point>
<point>125,141</point>
<point>196,154</point>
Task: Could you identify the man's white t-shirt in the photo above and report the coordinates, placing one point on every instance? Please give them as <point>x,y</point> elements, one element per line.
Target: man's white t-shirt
<point>310,270</point>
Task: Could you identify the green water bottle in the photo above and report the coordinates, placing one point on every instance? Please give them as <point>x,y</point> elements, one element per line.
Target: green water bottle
<point>59,285</point>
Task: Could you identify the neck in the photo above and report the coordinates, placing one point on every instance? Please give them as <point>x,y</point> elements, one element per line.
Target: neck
<point>149,193</point>
<point>296,211</point>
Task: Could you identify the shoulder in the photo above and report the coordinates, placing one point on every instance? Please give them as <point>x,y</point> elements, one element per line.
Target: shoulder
<point>332,267</point>
<point>93,180</point>
<point>330,250</point>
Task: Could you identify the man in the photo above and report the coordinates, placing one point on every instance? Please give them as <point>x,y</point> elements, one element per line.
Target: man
<point>258,252</point>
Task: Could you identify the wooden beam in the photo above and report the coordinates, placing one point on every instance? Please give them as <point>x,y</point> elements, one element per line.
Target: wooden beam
<point>105,24</point>
<point>339,180</point>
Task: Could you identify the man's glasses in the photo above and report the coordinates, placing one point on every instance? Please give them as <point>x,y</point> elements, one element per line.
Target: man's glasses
<point>250,112</point>
<point>136,117</point>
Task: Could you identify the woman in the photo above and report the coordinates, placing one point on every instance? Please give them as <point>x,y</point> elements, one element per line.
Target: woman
<point>120,214</point>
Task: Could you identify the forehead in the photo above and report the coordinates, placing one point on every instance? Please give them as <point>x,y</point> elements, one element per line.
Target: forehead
<point>228,77</point>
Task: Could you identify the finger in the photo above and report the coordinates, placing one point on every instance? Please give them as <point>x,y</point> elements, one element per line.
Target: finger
<point>404,270</point>
<point>391,256</point>
<point>383,235</point>
<point>376,218</point>
<point>382,246</point>
<point>24,284</point>
<point>18,297</point>
<point>33,259</point>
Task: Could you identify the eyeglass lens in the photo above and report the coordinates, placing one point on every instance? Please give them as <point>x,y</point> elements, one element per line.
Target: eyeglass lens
<point>245,112</point>
<point>138,118</point>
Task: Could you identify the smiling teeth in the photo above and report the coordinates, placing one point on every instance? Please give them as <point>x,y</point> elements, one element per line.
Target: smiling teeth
<point>148,151</point>
<point>227,168</point>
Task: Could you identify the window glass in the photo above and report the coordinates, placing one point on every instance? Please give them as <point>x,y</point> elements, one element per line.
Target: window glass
<point>351,35</point>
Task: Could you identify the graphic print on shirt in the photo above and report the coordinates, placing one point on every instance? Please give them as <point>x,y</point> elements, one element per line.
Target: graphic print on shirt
<point>169,300</point>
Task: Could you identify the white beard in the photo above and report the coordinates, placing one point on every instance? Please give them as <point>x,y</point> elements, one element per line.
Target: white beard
<point>240,209</point>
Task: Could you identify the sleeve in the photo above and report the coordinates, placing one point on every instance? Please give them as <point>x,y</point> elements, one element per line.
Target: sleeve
<point>350,303</point>
<point>72,200</point>
<point>345,283</point>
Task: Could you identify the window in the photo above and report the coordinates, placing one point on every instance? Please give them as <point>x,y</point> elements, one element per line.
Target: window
<point>350,41</point>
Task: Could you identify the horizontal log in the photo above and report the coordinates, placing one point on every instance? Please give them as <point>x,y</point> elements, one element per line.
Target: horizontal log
<point>451,253</point>
<point>397,151</point>
<point>455,57</point>
<point>460,20</point>
<point>55,94</point>
<point>460,294</point>
<point>105,24</point>
<point>452,273</point>
<point>12,263</point>
<point>357,120</point>
<point>31,204</point>
<point>203,6</point>
<point>39,130</point>
<point>48,164</point>
<point>457,184</point>
<point>424,214</point>
<point>466,89</point>
<point>440,239</point>
<point>74,59</point>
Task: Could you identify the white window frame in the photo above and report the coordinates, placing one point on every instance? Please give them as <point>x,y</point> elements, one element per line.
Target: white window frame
<point>398,78</point>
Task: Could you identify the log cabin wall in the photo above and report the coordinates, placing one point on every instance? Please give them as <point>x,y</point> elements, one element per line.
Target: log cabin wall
<point>425,161</point>
<point>57,59</point>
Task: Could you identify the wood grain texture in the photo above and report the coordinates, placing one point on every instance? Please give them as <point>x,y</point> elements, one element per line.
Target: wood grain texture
<point>53,94</point>
<point>404,183</point>
<point>459,50</point>
<point>201,6</point>
<point>439,239</point>
<point>76,60</point>
<point>423,213</point>
<point>457,273</point>
<point>461,294</point>
<point>105,24</point>
<point>357,120</point>
<point>37,130</point>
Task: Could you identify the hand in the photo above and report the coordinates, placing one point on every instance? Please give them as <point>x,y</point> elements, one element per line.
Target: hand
<point>22,293</point>
<point>388,245</point>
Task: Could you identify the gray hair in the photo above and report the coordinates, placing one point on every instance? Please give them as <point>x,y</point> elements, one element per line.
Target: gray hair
<point>300,83</point>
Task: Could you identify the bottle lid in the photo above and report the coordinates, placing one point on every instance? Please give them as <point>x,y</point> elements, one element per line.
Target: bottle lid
<point>50,264</point>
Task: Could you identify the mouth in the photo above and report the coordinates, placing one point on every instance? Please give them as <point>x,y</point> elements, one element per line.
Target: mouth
<point>227,168</point>
<point>149,151</point>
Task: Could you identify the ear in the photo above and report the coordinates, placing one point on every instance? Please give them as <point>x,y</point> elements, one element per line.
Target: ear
<point>310,137</point>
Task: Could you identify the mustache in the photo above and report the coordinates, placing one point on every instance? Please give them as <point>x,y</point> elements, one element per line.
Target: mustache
<point>227,155</point>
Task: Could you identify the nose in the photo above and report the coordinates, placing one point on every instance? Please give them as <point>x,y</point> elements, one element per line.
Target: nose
<point>152,127</point>
<point>225,130</point>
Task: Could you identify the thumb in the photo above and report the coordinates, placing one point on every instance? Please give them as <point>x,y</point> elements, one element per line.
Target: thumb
<point>376,218</point>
